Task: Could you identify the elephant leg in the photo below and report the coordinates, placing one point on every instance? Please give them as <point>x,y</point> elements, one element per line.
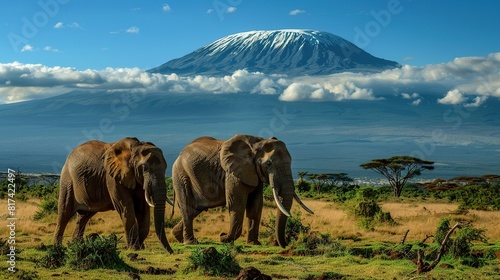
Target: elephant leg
<point>236,202</point>
<point>187,222</point>
<point>131,229</point>
<point>142,212</point>
<point>178,231</point>
<point>188,208</point>
<point>66,209</point>
<point>254,213</point>
<point>81,222</point>
<point>124,205</point>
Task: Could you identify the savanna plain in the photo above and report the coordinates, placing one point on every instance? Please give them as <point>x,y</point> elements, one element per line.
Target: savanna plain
<point>334,243</point>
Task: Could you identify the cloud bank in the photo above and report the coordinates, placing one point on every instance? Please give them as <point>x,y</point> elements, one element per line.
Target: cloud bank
<point>468,80</point>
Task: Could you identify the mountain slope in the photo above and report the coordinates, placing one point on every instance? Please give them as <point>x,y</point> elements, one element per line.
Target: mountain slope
<point>291,52</point>
<point>323,137</point>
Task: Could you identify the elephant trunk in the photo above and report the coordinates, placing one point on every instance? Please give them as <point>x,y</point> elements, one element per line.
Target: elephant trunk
<point>283,189</point>
<point>156,193</point>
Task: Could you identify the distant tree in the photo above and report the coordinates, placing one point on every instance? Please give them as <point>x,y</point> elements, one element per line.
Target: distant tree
<point>302,174</point>
<point>318,180</point>
<point>342,178</point>
<point>314,179</point>
<point>302,185</point>
<point>399,169</point>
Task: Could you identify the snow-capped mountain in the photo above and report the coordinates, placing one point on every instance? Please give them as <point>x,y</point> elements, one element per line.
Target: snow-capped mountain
<point>291,52</point>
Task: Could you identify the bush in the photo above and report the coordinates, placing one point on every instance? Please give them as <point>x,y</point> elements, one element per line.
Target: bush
<point>462,243</point>
<point>366,209</point>
<point>344,192</point>
<point>458,245</point>
<point>316,243</point>
<point>367,193</point>
<point>213,263</point>
<point>95,252</point>
<point>48,206</point>
<point>54,258</point>
<point>302,186</point>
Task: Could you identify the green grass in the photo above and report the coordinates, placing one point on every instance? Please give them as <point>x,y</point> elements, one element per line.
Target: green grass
<point>272,260</point>
<point>327,244</point>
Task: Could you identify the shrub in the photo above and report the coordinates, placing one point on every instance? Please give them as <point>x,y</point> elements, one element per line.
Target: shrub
<point>366,209</point>
<point>457,246</point>
<point>302,186</point>
<point>344,192</point>
<point>316,243</point>
<point>54,258</point>
<point>48,206</point>
<point>213,263</point>
<point>462,243</point>
<point>367,193</point>
<point>95,252</point>
<point>43,191</point>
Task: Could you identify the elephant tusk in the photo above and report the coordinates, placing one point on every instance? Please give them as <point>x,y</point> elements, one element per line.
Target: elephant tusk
<point>280,205</point>
<point>302,203</point>
<point>169,201</point>
<point>149,199</point>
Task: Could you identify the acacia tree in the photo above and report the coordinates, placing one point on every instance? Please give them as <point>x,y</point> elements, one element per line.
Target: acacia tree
<point>399,169</point>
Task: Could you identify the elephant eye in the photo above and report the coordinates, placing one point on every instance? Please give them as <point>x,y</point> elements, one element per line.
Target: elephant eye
<point>268,163</point>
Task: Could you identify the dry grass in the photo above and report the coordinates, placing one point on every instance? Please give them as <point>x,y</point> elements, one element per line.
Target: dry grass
<point>421,218</point>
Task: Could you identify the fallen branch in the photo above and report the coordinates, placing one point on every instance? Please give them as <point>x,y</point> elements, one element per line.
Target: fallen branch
<point>422,266</point>
<point>404,237</point>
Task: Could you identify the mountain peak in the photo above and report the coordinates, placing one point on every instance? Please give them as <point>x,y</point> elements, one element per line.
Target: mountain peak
<point>287,51</point>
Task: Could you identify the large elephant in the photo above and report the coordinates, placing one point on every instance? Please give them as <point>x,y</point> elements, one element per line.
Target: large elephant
<point>127,176</point>
<point>210,173</point>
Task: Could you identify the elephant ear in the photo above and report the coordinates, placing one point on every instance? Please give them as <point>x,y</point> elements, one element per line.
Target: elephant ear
<point>117,162</point>
<point>237,157</point>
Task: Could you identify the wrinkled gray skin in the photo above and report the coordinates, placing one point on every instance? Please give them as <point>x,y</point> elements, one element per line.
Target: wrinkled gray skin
<point>127,176</point>
<point>210,173</point>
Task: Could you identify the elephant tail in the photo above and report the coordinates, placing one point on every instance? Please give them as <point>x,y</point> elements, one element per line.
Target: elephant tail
<point>173,206</point>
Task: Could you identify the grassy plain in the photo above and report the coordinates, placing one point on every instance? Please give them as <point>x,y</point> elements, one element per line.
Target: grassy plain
<point>418,216</point>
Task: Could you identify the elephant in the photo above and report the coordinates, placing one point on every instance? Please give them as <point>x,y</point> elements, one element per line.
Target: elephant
<point>210,173</point>
<point>127,176</point>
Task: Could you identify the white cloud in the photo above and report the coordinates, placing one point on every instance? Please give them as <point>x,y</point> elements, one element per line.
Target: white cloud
<point>231,10</point>
<point>478,101</point>
<point>27,48</point>
<point>416,102</point>
<point>210,11</point>
<point>328,91</point>
<point>133,29</point>
<point>60,24</point>
<point>464,81</point>
<point>415,96</point>
<point>50,49</point>
<point>410,96</point>
<point>296,12</point>
<point>453,97</point>
<point>75,25</point>
<point>166,8</point>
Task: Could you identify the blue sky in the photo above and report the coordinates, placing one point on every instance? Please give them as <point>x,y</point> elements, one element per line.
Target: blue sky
<point>448,48</point>
<point>98,34</point>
